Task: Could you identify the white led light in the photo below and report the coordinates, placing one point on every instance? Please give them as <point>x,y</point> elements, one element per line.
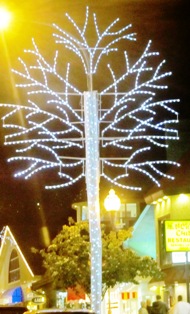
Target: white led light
<point>55,122</point>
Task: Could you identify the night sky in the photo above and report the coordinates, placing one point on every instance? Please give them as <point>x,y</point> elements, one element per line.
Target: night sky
<point>166,23</point>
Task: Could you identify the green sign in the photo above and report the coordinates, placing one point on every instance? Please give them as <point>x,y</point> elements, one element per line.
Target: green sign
<point>177,235</point>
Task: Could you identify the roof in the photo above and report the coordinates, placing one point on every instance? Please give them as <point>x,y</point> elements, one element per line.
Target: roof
<point>33,261</point>
<point>143,241</point>
<point>8,237</point>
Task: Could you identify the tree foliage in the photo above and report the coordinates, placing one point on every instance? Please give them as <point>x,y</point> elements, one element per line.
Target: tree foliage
<point>67,259</point>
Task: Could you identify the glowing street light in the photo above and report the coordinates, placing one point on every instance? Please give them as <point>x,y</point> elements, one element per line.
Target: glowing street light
<point>112,201</point>
<point>5,18</point>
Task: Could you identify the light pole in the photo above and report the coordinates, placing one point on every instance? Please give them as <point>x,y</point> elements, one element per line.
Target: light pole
<point>112,204</point>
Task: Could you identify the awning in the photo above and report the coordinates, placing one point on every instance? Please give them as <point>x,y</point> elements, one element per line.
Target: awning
<point>14,295</point>
<point>175,274</point>
<point>75,294</point>
<point>143,241</point>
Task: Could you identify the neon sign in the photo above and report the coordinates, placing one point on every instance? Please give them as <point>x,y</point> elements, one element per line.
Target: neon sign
<point>177,235</point>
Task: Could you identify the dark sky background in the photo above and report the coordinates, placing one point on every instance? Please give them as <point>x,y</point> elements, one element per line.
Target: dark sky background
<point>166,23</point>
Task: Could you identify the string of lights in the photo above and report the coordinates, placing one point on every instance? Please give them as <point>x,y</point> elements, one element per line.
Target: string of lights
<point>59,132</point>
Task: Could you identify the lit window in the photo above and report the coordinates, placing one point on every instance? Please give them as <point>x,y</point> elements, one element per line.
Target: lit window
<point>84,213</point>
<point>127,215</point>
<point>14,268</point>
<point>180,257</point>
<point>165,257</point>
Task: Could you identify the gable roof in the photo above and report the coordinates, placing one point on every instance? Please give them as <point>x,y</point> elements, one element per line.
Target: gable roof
<point>8,236</point>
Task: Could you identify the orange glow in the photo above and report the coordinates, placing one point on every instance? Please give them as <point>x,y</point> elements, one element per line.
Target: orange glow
<point>5,18</point>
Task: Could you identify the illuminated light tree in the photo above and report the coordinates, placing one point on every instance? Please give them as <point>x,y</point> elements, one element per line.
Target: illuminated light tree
<point>68,130</point>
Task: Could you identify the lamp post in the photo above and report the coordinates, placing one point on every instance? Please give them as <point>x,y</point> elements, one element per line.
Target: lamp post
<point>112,204</point>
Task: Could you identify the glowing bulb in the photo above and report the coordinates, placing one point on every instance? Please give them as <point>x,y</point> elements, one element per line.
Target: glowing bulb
<point>5,18</point>
<point>112,201</point>
<point>183,198</point>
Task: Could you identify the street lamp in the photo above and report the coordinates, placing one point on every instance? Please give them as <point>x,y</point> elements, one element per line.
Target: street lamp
<point>5,18</point>
<point>112,204</point>
<point>112,201</point>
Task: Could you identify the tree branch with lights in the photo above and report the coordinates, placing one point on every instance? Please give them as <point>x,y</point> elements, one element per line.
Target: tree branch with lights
<point>71,132</point>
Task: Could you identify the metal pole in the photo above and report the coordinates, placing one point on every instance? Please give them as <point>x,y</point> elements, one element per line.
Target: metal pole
<point>187,276</point>
<point>92,184</point>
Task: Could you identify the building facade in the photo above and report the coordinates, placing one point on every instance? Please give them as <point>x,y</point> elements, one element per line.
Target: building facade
<point>16,276</point>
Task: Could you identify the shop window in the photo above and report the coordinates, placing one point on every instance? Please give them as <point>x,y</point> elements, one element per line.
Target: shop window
<point>126,215</point>
<point>165,257</point>
<point>84,215</point>
<point>180,257</point>
<point>14,268</point>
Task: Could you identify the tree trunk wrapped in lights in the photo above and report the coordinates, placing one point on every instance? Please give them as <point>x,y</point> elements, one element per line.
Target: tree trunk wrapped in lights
<point>56,134</point>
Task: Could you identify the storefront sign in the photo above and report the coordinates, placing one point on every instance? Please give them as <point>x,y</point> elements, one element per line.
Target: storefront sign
<point>177,235</point>
<point>38,299</point>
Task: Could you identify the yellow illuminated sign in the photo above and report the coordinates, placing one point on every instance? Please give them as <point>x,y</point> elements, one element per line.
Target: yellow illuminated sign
<point>177,235</point>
